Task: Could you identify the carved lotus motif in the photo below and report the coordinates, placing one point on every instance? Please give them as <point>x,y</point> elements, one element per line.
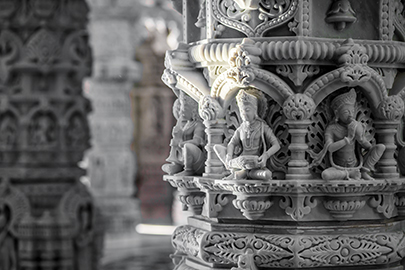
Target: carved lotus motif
<point>193,201</point>
<point>343,208</point>
<point>252,207</point>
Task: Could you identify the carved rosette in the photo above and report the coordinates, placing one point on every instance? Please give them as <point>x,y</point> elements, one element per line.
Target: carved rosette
<point>299,107</point>
<point>344,207</point>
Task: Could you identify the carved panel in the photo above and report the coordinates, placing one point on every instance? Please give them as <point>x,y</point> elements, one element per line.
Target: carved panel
<point>253,18</point>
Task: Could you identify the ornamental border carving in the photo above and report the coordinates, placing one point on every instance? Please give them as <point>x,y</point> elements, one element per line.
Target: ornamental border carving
<point>291,251</point>
<point>295,48</point>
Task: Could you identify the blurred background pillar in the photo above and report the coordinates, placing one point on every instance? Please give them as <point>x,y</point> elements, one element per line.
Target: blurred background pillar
<point>47,216</point>
<point>111,163</point>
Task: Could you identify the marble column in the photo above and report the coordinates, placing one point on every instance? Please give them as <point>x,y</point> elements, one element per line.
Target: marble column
<point>111,162</point>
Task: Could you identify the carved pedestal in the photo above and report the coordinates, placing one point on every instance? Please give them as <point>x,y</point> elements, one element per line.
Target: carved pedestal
<point>48,219</point>
<point>315,75</point>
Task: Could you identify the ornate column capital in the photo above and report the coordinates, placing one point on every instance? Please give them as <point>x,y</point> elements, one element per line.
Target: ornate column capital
<point>392,108</point>
<point>299,107</point>
<point>210,109</point>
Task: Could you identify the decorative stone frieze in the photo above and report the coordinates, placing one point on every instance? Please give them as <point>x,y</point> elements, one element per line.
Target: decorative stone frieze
<point>317,184</point>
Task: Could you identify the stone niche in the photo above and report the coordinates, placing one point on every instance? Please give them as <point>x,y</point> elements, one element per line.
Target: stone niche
<point>324,80</point>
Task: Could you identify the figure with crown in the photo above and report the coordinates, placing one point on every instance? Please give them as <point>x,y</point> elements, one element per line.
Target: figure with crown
<point>187,155</point>
<point>351,155</point>
<point>254,137</point>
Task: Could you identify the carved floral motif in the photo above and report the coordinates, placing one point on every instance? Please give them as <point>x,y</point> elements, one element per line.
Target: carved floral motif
<point>298,206</point>
<point>252,207</point>
<point>343,208</point>
<point>299,107</point>
<point>392,108</point>
<point>253,17</point>
<point>290,251</point>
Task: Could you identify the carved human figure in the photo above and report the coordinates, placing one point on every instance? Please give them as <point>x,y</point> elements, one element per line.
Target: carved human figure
<point>345,142</point>
<point>8,259</point>
<point>8,130</point>
<point>76,131</point>
<point>187,155</point>
<point>255,139</point>
<point>43,131</point>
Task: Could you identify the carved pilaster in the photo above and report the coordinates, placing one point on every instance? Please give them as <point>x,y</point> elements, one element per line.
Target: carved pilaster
<point>298,109</point>
<point>391,110</point>
<point>215,124</point>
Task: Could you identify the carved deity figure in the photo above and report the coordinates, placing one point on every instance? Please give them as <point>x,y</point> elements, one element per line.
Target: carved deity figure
<point>8,259</point>
<point>346,143</point>
<point>254,138</point>
<point>187,155</point>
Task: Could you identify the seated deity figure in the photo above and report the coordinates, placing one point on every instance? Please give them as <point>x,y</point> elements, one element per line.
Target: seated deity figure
<point>346,143</point>
<point>187,155</point>
<point>254,138</point>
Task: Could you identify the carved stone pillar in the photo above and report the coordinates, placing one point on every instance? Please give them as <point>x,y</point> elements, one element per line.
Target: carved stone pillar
<point>111,163</point>
<point>316,89</point>
<point>48,217</point>
<point>211,112</point>
<point>391,111</point>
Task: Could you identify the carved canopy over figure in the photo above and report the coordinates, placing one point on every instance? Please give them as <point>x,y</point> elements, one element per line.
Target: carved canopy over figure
<point>187,155</point>
<point>254,137</point>
<point>345,141</point>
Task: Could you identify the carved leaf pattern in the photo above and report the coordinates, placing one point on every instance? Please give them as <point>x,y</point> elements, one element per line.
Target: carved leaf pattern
<point>266,252</point>
<point>344,250</point>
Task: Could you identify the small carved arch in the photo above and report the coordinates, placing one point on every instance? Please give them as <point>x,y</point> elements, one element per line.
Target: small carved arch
<point>323,116</point>
<point>75,128</point>
<point>223,88</point>
<point>17,203</point>
<point>374,88</point>
<point>75,201</point>
<point>43,129</point>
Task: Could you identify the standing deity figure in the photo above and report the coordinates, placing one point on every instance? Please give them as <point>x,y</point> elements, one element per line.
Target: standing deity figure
<point>346,143</point>
<point>254,138</point>
<point>187,155</point>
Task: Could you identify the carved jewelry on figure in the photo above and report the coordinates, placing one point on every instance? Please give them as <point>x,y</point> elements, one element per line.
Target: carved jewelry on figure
<point>187,155</point>
<point>255,138</point>
<point>344,141</point>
